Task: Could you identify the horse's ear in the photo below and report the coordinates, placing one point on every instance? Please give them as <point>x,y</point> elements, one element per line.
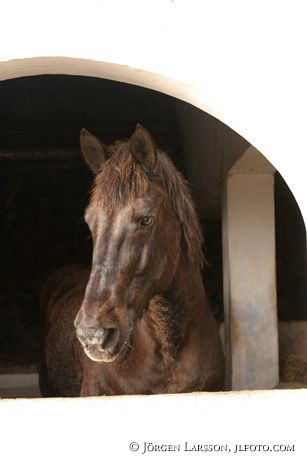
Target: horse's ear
<point>144,148</point>
<point>94,151</point>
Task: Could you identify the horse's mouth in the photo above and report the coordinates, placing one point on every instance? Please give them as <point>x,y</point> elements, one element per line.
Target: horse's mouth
<point>120,353</point>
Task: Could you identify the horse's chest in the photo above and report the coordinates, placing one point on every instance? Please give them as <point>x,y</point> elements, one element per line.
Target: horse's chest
<point>157,374</point>
<point>150,376</point>
<point>156,365</point>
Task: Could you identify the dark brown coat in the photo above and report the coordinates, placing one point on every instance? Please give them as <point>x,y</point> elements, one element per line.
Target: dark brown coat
<point>139,320</point>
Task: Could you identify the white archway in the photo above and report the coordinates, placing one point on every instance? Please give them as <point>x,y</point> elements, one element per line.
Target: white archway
<point>290,165</point>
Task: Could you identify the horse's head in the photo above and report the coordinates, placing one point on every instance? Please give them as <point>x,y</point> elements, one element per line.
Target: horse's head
<point>136,213</point>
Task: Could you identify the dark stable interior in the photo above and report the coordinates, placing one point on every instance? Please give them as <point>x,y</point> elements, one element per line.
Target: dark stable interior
<point>43,197</point>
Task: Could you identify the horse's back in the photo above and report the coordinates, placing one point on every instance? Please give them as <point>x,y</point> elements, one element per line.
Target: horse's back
<point>61,363</point>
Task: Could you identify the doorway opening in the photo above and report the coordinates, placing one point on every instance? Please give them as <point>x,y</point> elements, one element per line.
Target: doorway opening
<point>45,187</point>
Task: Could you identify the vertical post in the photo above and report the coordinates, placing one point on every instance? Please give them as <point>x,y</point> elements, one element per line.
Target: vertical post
<point>251,334</point>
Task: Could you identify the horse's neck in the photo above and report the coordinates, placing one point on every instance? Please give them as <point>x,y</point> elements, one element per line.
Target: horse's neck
<point>180,309</point>
<point>187,294</point>
<point>187,290</point>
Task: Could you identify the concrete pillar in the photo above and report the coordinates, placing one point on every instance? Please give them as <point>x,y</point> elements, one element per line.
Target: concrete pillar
<point>251,334</point>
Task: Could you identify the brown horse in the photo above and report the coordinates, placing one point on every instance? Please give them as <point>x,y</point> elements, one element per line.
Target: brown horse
<point>144,325</point>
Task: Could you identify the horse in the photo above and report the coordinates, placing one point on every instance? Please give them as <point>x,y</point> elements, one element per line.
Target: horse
<point>138,321</point>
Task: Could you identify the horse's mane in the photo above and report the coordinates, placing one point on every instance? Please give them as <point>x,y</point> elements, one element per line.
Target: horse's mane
<point>122,180</point>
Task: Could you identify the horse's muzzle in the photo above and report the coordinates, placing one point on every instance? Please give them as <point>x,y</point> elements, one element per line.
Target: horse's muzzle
<point>100,343</point>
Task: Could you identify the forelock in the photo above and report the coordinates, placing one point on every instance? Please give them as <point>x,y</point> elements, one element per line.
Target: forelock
<point>120,181</point>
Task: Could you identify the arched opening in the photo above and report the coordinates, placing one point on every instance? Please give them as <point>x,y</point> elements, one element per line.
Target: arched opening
<point>45,188</point>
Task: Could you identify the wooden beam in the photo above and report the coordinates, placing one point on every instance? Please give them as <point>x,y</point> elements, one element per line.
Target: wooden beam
<point>39,155</point>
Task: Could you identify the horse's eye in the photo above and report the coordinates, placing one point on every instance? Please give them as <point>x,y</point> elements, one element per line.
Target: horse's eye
<point>145,221</point>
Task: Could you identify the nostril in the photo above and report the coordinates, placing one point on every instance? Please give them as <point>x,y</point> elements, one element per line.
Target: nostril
<point>108,339</point>
<point>105,338</point>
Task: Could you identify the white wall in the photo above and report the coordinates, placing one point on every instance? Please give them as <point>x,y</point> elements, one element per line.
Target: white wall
<point>243,62</point>
<point>105,427</point>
